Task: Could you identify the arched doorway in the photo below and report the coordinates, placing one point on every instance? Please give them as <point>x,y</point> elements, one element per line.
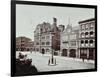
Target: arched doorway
<point>72,53</point>
<point>64,52</point>
<point>43,51</point>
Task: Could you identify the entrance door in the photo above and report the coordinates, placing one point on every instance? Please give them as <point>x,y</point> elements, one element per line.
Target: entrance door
<point>72,53</point>
<point>43,51</point>
<point>91,55</point>
<point>83,53</point>
<point>64,52</point>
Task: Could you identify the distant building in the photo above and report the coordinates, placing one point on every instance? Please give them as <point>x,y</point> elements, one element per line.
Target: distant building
<point>69,41</point>
<point>61,28</point>
<point>24,44</point>
<point>87,38</point>
<point>47,37</point>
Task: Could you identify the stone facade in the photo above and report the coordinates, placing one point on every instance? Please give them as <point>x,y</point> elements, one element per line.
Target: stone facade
<point>69,41</point>
<point>24,44</point>
<point>87,39</point>
<point>47,37</point>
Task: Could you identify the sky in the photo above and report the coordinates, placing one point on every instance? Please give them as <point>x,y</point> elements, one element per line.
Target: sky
<point>28,16</point>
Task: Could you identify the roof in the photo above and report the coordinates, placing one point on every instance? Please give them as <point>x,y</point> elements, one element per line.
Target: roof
<point>91,19</point>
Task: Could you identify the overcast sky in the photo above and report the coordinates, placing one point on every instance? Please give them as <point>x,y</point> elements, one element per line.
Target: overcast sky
<point>28,16</point>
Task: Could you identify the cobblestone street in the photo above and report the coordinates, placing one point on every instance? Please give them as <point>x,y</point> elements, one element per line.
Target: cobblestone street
<point>63,63</point>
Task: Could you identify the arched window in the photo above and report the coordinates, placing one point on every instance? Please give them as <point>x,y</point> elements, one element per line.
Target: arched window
<point>83,27</point>
<point>82,34</point>
<point>91,41</point>
<point>91,33</point>
<point>82,41</point>
<point>86,27</point>
<point>86,33</point>
<point>86,41</point>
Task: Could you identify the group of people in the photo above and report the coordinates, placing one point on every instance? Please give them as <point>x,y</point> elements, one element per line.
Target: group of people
<point>21,56</point>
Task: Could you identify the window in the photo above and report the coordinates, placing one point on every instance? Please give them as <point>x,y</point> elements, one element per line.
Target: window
<point>86,33</point>
<point>73,43</point>
<point>43,37</point>
<point>92,25</point>
<point>86,41</point>
<point>82,34</point>
<point>22,44</point>
<point>87,25</point>
<point>47,43</point>
<point>65,42</point>
<point>83,27</point>
<point>83,52</point>
<point>73,36</point>
<point>43,43</point>
<point>82,41</point>
<point>91,33</point>
<point>65,37</point>
<point>37,43</point>
<point>91,41</point>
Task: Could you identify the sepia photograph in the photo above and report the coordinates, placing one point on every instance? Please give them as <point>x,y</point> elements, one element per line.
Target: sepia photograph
<point>54,38</point>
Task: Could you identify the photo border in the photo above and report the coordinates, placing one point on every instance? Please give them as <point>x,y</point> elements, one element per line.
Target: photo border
<point>13,34</point>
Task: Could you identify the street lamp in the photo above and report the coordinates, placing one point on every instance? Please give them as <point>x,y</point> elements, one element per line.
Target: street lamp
<point>52,61</point>
<point>40,33</point>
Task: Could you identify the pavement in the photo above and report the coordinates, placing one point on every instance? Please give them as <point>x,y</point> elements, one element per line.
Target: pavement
<point>62,63</point>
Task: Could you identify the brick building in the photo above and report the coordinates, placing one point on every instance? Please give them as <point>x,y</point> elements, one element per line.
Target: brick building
<point>87,39</point>
<point>47,37</point>
<point>69,41</point>
<point>24,44</point>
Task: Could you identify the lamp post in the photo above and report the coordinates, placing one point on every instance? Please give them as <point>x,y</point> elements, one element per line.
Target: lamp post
<point>52,58</point>
<point>52,61</point>
<point>40,41</point>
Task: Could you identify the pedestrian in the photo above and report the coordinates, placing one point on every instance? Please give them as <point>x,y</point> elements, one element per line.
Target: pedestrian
<point>21,56</point>
<point>55,61</point>
<point>49,62</point>
<point>83,59</point>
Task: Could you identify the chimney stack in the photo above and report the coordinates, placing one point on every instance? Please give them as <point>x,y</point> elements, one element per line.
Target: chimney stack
<point>55,21</point>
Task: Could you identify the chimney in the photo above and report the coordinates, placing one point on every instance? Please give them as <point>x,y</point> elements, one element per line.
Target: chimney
<point>55,21</point>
